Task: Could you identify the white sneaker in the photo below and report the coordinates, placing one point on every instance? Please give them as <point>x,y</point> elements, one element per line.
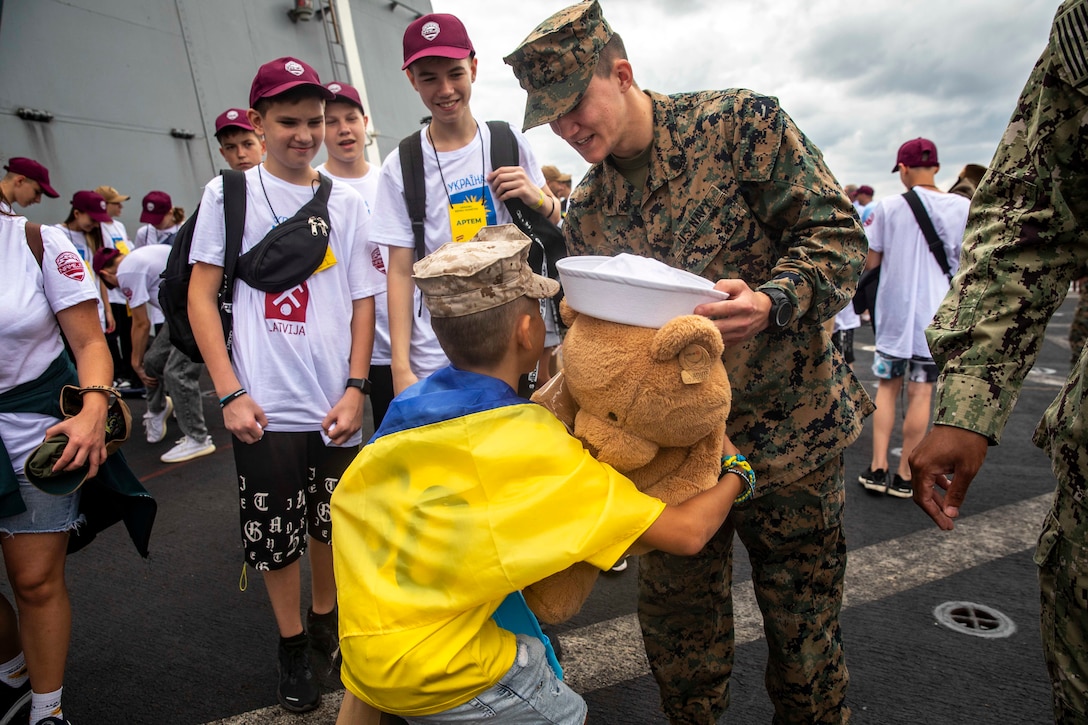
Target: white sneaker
<point>620,566</point>
<point>188,448</point>
<point>155,423</point>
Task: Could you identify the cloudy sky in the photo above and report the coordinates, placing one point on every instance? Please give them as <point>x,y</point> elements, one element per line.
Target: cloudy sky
<point>859,77</point>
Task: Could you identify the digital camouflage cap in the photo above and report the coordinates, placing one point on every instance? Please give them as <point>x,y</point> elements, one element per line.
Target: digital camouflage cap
<point>556,62</point>
<point>491,269</point>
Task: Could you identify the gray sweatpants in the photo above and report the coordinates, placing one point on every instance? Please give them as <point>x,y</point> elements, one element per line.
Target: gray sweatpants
<point>180,377</point>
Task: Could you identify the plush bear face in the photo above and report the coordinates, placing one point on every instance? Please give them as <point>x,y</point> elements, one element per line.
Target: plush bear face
<point>666,386</point>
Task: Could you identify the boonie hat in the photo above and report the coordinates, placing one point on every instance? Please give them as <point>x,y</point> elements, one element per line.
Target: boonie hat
<point>436,35</point>
<point>556,62</point>
<point>552,173</point>
<point>633,290</point>
<point>92,203</point>
<point>103,257</point>
<point>281,75</point>
<point>916,152</point>
<point>155,205</point>
<point>233,117</point>
<point>111,195</point>
<point>34,171</point>
<point>346,94</point>
<point>491,269</point>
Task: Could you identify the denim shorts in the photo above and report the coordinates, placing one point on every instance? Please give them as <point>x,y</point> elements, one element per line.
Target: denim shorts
<point>45,513</point>
<point>528,694</point>
<point>889,368</point>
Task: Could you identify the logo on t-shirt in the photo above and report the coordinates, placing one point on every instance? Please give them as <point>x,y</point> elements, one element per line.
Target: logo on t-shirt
<point>127,291</point>
<point>286,311</point>
<point>376,260</point>
<point>70,265</point>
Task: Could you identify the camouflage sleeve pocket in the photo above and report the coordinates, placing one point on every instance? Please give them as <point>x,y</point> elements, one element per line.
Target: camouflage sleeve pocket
<point>1048,539</point>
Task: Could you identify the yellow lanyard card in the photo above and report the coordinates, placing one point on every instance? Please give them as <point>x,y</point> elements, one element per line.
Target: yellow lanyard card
<point>466,218</point>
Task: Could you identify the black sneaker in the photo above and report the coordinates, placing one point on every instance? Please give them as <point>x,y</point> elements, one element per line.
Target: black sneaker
<point>324,643</point>
<point>298,690</point>
<point>900,488</point>
<point>55,721</point>
<point>874,480</point>
<point>13,701</point>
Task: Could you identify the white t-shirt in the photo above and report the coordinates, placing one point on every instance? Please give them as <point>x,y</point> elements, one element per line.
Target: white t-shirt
<point>114,236</point>
<point>454,177</point>
<point>29,300</point>
<point>148,234</point>
<point>912,284</point>
<point>138,276</point>
<point>291,348</point>
<point>367,186</point>
<point>79,241</point>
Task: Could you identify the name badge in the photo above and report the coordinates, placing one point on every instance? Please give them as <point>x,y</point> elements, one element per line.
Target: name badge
<point>466,218</point>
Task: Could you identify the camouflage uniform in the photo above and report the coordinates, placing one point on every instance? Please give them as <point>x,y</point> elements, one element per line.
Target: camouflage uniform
<point>735,190</point>
<point>1025,243</point>
<point>1078,328</point>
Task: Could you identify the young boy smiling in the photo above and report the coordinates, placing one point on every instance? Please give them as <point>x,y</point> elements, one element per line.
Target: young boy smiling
<point>293,387</point>
<point>440,63</point>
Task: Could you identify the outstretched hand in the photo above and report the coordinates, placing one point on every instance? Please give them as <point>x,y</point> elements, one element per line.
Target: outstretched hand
<point>942,466</point>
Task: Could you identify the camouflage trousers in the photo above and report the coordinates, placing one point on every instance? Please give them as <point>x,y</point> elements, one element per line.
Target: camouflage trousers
<point>1062,556</point>
<point>795,541</point>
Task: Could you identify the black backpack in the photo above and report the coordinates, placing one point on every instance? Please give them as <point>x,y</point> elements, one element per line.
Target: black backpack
<point>549,245</point>
<point>174,289</point>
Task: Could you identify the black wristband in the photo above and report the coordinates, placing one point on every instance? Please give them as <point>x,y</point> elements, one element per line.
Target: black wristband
<point>361,383</point>
<point>226,399</point>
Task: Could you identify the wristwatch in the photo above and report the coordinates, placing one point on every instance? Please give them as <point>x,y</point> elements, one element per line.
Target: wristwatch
<point>360,383</point>
<point>781,308</point>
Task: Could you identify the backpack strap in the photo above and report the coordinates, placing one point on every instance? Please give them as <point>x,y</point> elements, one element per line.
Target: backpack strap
<point>34,241</point>
<point>504,147</point>
<point>234,213</point>
<point>936,246</point>
<point>415,190</point>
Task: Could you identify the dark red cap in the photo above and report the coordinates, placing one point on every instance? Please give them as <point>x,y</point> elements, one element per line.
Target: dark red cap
<point>34,171</point>
<point>346,94</point>
<point>916,152</point>
<point>281,75</point>
<point>866,189</point>
<point>103,257</point>
<point>91,203</point>
<point>155,206</point>
<point>233,117</point>
<point>437,34</point>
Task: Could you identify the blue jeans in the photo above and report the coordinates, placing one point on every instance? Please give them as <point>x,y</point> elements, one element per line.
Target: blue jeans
<point>528,694</point>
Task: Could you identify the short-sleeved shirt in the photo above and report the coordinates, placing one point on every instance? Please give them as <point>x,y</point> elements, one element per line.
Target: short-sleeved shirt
<point>139,275</point>
<point>291,349</point>
<point>450,177</point>
<point>114,236</point>
<point>446,512</point>
<point>912,284</point>
<point>29,300</point>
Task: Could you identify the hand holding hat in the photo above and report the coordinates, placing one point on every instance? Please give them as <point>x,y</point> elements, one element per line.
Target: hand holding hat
<point>75,447</point>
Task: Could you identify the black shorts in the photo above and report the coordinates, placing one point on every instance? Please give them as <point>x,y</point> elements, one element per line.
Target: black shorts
<point>285,483</point>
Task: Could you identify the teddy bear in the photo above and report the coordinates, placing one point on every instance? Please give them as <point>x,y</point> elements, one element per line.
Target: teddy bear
<point>650,402</point>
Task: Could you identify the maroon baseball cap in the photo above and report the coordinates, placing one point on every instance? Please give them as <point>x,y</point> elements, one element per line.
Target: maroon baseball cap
<point>281,75</point>
<point>437,34</point>
<point>155,205</point>
<point>103,257</point>
<point>346,94</point>
<point>34,171</point>
<point>91,203</point>
<point>233,117</point>
<point>916,152</point>
<point>866,189</point>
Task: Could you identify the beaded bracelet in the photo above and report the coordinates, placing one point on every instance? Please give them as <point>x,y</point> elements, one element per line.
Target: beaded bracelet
<point>739,465</point>
<point>226,399</point>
